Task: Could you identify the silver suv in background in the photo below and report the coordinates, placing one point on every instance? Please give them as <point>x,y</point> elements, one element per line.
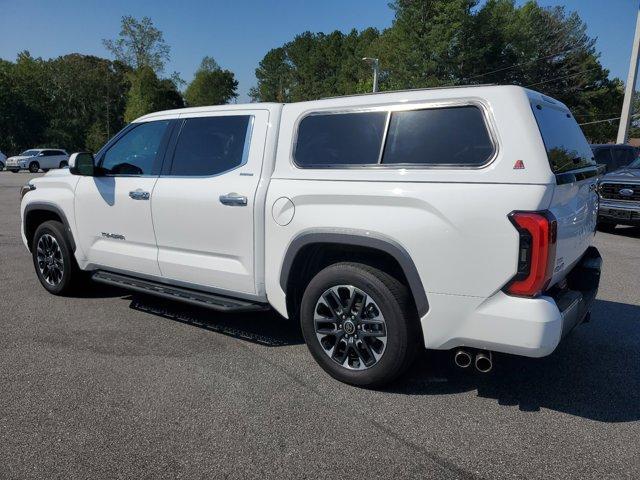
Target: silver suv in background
<point>3,160</point>
<point>38,158</point>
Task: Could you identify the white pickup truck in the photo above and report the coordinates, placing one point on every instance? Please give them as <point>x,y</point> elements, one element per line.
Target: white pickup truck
<point>457,219</point>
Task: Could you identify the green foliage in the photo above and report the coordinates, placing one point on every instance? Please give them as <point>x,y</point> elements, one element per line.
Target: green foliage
<point>211,85</point>
<point>20,119</point>
<point>434,43</point>
<point>55,103</point>
<point>316,65</point>
<point>140,44</point>
<point>148,94</point>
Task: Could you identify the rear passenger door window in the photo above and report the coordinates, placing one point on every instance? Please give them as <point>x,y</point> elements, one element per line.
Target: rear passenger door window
<point>208,146</point>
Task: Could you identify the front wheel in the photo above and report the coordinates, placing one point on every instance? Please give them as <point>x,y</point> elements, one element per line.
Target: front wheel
<point>63,164</point>
<point>34,167</point>
<point>53,259</point>
<point>359,324</point>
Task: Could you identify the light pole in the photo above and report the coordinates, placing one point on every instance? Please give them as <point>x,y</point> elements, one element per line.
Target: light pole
<point>627,104</point>
<point>374,63</point>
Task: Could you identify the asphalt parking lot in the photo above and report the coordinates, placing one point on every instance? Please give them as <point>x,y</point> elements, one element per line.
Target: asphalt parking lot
<point>114,385</point>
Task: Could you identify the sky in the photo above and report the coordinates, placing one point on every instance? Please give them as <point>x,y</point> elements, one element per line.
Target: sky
<point>238,33</point>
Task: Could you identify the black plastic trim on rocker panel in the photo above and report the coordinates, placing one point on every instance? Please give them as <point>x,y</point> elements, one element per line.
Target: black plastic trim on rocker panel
<point>359,239</point>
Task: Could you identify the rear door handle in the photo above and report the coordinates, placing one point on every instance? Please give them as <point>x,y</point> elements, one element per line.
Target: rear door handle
<point>233,199</point>
<point>139,195</point>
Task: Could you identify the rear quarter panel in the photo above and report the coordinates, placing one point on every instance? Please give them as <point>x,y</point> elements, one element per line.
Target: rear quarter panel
<point>452,222</point>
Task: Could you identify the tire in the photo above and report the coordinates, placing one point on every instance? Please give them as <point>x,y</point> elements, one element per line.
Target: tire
<point>606,227</point>
<point>34,167</point>
<point>57,252</point>
<point>385,295</point>
<point>63,164</point>
<point>14,171</point>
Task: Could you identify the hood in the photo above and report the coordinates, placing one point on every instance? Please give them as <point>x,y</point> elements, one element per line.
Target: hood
<point>624,175</point>
<point>57,172</point>
<point>18,157</point>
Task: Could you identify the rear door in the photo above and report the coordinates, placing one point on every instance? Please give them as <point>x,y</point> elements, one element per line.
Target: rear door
<point>575,200</point>
<point>204,202</point>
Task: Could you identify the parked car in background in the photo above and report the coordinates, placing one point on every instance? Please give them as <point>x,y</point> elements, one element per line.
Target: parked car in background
<point>614,156</point>
<point>38,158</point>
<point>3,160</point>
<point>620,198</point>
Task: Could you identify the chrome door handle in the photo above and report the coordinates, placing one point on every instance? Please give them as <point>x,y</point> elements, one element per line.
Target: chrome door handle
<point>139,195</point>
<point>233,199</point>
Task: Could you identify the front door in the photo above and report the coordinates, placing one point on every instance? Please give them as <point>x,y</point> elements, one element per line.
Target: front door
<point>203,203</point>
<point>113,210</point>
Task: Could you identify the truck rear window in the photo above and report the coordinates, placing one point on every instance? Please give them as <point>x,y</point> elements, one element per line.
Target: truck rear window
<point>567,149</point>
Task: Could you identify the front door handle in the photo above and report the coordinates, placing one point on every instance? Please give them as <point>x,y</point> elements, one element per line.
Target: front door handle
<point>139,195</point>
<point>233,199</point>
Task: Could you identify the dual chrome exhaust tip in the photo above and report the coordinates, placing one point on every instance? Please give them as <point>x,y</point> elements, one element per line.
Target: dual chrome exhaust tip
<point>482,360</point>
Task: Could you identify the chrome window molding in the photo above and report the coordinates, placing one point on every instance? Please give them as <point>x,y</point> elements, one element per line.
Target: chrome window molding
<point>484,107</point>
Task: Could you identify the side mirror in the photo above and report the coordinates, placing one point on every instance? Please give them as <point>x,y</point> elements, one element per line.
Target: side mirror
<point>82,163</point>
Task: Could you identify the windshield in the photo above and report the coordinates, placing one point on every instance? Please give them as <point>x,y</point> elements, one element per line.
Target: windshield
<point>29,153</point>
<point>567,149</point>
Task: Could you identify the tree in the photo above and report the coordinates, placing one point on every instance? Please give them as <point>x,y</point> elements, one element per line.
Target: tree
<point>434,43</point>
<point>211,85</point>
<point>21,121</point>
<point>148,94</point>
<point>57,102</point>
<point>140,44</point>
<point>315,65</point>
<point>274,77</point>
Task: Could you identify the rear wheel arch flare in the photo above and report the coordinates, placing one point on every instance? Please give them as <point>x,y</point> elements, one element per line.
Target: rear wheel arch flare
<point>349,243</point>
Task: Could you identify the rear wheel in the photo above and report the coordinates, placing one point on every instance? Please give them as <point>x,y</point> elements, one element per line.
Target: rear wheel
<point>34,167</point>
<point>53,259</point>
<point>63,164</point>
<point>359,324</point>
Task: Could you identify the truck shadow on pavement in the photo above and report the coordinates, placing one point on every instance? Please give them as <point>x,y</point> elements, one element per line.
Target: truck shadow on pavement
<point>264,328</point>
<point>594,373</point>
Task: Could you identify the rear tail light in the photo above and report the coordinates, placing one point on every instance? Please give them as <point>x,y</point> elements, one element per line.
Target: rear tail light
<point>536,254</point>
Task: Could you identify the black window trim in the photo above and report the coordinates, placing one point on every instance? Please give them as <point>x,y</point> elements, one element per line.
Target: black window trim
<point>402,107</point>
<point>173,143</point>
